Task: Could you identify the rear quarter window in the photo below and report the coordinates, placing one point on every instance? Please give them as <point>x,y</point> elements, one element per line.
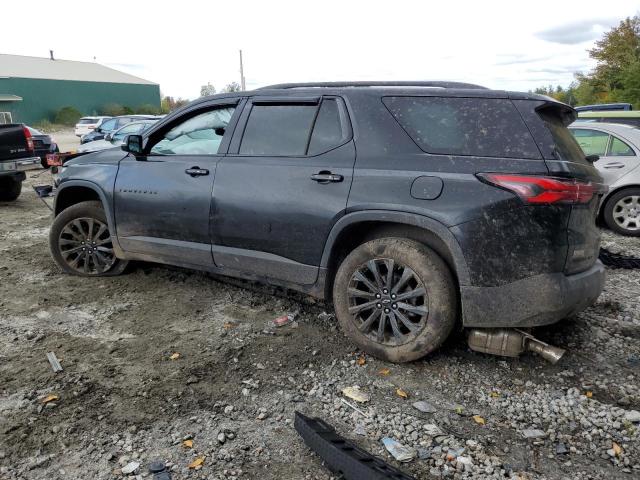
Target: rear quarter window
<point>484,127</point>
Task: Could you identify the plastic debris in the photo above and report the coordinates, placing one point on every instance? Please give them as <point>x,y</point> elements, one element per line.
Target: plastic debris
<point>617,449</point>
<point>354,393</point>
<point>174,356</point>
<point>424,407</point>
<point>361,360</point>
<point>130,468</point>
<point>400,452</point>
<point>196,463</point>
<point>588,394</point>
<point>187,443</point>
<point>55,363</point>
<point>50,398</point>
<point>354,407</point>
<point>401,393</point>
<point>479,420</point>
<point>284,320</point>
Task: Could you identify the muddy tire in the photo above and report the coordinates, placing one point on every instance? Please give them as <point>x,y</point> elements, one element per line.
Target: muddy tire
<point>395,298</point>
<point>80,242</point>
<point>9,189</point>
<point>622,212</point>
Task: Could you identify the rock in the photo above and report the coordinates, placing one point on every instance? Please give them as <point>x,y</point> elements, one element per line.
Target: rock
<point>533,433</point>
<point>632,416</point>
<point>561,449</point>
<point>228,409</point>
<point>360,430</point>
<point>424,407</point>
<point>222,437</point>
<point>433,430</point>
<point>130,468</point>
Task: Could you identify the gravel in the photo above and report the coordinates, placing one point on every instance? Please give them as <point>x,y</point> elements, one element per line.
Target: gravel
<point>238,380</point>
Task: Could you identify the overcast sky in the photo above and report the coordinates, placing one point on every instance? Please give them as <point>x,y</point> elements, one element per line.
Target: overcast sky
<point>183,45</point>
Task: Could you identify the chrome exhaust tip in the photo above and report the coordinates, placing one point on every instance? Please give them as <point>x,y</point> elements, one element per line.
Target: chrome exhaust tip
<point>511,343</point>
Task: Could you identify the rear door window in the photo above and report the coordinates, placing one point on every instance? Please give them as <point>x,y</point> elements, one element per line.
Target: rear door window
<point>483,127</point>
<point>619,148</point>
<point>278,130</point>
<point>592,142</point>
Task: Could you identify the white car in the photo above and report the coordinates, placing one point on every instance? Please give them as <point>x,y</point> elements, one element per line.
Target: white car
<point>116,138</point>
<point>88,124</point>
<point>618,147</point>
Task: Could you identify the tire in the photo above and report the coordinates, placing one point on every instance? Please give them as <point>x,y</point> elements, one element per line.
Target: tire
<point>68,232</point>
<point>622,212</point>
<point>10,189</point>
<point>431,316</point>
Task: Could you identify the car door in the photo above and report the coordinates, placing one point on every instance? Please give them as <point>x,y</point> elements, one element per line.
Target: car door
<point>282,186</point>
<point>162,198</point>
<point>620,159</point>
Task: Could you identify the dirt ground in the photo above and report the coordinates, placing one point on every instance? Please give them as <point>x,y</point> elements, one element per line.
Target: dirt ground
<point>238,380</point>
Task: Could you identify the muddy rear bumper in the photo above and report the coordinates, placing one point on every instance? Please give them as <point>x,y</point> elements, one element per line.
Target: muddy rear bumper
<point>533,301</point>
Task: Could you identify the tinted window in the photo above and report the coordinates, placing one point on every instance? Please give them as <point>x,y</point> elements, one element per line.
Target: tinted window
<point>464,126</point>
<point>130,129</point>
<point>87,121</point>
<point>592,142</point>
<point>327,131</point>
<point>278,130</point>
<point>619,148</point>
<point>109,125</point>
<point>199,135</point>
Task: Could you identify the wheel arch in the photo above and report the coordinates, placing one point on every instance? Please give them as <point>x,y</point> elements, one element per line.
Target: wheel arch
<point>356,228</point>
<point>73,192</point>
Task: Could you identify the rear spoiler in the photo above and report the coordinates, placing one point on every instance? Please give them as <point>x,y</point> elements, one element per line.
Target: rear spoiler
<point>342,456</point>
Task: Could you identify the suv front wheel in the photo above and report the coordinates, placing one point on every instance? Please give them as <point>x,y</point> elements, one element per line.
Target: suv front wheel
<point>395,298</point>
<point>81,244</point>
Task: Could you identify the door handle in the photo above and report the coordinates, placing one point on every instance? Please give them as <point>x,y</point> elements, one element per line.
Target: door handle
<point>614,165</point>
<point>196,171</point>
<point>326,177</point>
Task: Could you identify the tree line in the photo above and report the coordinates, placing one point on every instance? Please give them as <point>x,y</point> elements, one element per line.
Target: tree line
<point>616,77</point>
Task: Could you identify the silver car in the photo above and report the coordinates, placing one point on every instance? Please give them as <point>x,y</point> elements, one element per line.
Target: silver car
<point>619,149</point>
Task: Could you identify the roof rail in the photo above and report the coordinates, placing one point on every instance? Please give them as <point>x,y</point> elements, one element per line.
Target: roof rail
<point>432,84</point>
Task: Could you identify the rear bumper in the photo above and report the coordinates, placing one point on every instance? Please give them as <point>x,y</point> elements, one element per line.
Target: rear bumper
<point>533,301</point>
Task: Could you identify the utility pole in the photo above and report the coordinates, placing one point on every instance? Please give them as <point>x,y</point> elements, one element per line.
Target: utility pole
<point>242,85</point>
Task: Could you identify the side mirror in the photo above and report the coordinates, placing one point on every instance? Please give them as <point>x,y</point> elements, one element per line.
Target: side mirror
<point>592,158</point>
<point>133,144</point>
<point>108,137</point>
<point>219,131</point>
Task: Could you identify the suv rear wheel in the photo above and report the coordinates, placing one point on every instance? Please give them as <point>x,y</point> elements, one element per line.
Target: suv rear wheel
<point>80,242</point>
<point>622,212</point>
<point>395,298</point>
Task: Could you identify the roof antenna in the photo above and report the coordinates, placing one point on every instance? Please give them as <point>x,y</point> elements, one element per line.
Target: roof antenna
<point>51,54</point>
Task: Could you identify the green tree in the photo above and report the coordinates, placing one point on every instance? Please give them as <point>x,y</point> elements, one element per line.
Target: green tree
<point>231,87</point>
<point>113,109</point>
<point>206,90</point>
<point>68,116</point>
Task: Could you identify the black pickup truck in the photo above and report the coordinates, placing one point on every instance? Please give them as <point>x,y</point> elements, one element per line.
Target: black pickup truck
<point>16,155</point>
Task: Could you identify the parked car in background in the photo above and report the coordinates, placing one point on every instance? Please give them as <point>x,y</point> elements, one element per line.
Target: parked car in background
<point>116,138</point>
<point>627,117</point>
<point>88,124</point>
<point>603,107</point>
<point>16,155</point>
<point>619,149</point>
<point>42,144</point>
<point>113,124</point>
<point>463,206</point>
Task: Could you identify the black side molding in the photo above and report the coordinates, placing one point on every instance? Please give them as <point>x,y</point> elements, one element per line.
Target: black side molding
<point>341,456</point>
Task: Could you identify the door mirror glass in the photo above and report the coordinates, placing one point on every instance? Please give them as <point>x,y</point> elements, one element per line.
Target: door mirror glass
<point>108,137</point>
<point>133,144</point>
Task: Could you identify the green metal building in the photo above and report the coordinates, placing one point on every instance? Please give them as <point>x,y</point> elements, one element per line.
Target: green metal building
<point>34,88</point>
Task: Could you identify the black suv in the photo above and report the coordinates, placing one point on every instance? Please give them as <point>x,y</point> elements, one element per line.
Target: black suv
<point>410,205</point>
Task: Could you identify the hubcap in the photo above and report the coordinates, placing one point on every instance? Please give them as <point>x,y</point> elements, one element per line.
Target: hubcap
<point>85,245</point>
<point>387,301</point>
<point>626,212</point>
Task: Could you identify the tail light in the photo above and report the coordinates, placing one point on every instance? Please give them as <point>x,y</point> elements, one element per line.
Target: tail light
<point>544,190</point>
<point>27,136</point>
